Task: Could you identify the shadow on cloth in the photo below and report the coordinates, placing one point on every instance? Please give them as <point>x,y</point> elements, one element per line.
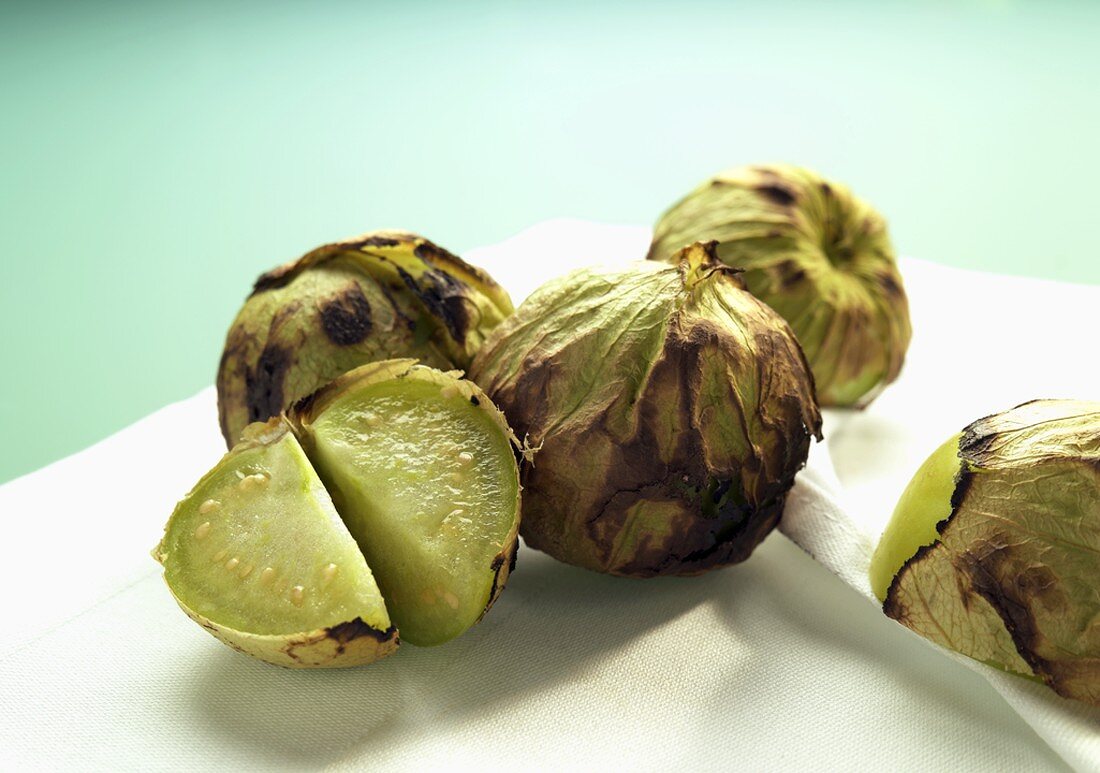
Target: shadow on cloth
<point>788,596</point>
<point>552,625</point>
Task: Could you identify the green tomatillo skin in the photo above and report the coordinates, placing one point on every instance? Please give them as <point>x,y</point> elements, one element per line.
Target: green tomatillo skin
<point>669,411</point>
<point>925,502</point>
<point>815,253</point>
<point>994,549</point>
<point>381,295</point>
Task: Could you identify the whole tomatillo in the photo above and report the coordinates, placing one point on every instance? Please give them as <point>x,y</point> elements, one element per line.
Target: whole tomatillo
<point>381,295</point>
<point>815,253</point>
<point>668,409</point>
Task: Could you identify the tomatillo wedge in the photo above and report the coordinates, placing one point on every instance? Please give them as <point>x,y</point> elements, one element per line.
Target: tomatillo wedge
<point>381,295</point>
<point>420,464</point>
<point>257,555</point>
<point>386,503</point>
<point>994,548</point>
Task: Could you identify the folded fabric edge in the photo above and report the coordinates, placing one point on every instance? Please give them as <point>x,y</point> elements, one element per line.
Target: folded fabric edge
<point>817,522</point>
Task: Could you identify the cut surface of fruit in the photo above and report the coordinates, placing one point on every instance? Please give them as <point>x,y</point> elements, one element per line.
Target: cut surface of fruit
<point>258,555</point>
<point>420,465</point>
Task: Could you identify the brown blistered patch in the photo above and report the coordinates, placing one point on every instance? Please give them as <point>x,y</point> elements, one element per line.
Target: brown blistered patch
<point>519,399</point>
<point>728,540</point>
<point>706,534</point>
<point>350,643</point>
<point>277,277</point>
<point>432,253</point>
<point>790,274</point>
<point>777,194</point>
<point>1015,587</point>
<point>890,285</point>
<point>892,606</point>
<point>346,318</point>
<point>978,445</point>
<point>502,566</point>
<point>444,297</point>
<point>450,265</point>
<point>264,383</point>
<point>376,241</point>
<point>345,633</point>
<point>236,344</point>
<point>964,480</point>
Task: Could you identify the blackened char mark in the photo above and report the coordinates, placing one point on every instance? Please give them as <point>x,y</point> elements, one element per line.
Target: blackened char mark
<point>777,194</point>
<point>277,277</point>
<point>377,241</point>
<point>264,383</point>
<point>346,318</point>
<point>444,297</point>
<point>345,633</point>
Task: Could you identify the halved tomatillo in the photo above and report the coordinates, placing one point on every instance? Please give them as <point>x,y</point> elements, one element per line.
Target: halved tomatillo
<point>387,501</point>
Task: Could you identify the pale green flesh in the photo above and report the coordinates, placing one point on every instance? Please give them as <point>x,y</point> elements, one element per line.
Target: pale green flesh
<point>429,520</point>
<point>216,562</point>
<point>925,502</point>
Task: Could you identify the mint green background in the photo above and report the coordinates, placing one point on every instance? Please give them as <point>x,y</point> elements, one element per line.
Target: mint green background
<point>155,159</point>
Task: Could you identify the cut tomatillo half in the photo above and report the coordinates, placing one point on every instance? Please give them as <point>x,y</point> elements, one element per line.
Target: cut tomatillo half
<point>386,503</point>
<point>258,556</point>
<point>994,548</point>
<point>421,466</point>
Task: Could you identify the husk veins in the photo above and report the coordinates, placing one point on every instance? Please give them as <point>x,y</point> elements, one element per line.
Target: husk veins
<point>815,253</point>
<point>671,410</point>
<point>1012,579</point>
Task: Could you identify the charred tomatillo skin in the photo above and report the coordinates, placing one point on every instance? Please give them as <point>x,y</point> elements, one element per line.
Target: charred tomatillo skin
<point>815,253</point>
<point>668,408</point>
<point>1009,576</point>
<point>381,295</point>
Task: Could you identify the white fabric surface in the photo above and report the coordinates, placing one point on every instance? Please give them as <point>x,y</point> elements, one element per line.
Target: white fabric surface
<point>774,664</point>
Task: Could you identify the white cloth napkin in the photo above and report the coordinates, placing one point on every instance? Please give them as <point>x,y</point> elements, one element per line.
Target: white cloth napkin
<point>770,665</point>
